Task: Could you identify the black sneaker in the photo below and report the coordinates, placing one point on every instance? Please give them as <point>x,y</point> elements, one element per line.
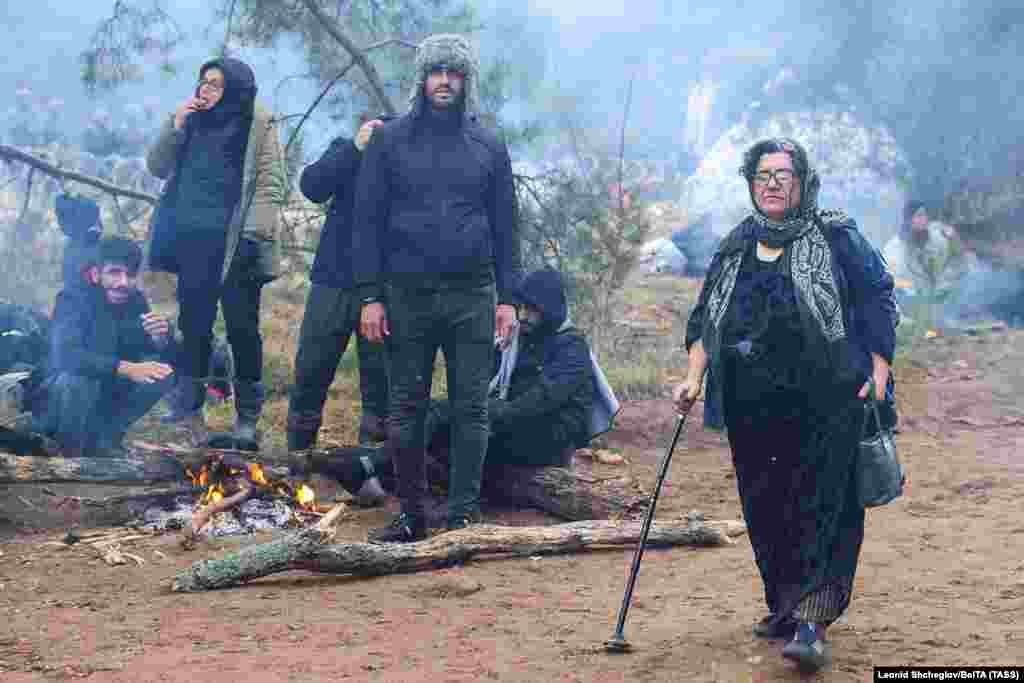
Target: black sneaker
<point>462,521</point>
<point>810,652</point>
<point>773,627</point>
<point>405,528</point>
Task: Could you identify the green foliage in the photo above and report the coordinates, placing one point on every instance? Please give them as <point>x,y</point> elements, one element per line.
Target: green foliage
<point>134,34</point>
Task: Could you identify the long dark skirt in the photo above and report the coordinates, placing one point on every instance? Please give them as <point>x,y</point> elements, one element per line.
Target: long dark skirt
<point>795,464</point>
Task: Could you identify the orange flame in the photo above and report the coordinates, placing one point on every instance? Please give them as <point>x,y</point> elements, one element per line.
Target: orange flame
<point>214,494</point>
<point>305,496</point>
<point>257,474</point>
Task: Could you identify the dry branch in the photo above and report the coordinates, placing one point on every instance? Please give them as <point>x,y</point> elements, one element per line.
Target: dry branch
<point>358,55</point>
<point>15,154</point>
<point>307,550</point>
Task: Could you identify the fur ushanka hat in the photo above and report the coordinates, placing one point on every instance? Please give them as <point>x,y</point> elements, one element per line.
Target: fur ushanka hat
<point>455,52</point>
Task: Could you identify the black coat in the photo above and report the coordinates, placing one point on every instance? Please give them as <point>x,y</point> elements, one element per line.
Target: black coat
<point>89,336</point>
<point>333,177</point>
<point>435,206</point>
<point>552,389</point>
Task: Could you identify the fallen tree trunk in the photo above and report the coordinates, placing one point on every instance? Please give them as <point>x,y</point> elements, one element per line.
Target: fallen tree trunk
<point>309,550</point>
<point>25,469</point>
<point>559,491</point>
<point>562,492</point>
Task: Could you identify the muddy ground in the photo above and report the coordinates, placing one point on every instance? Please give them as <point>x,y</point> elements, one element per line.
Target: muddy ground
<point>941,579</point>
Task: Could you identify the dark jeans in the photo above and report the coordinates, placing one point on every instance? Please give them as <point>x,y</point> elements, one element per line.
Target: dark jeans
<point>199,290</point>
<point>89,413</point>
<point>330,320</point>
<point>461,323</point>
<point>525,442</point>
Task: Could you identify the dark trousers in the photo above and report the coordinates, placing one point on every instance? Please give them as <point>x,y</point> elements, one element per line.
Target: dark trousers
<point>199,290</point>
<point>329,322</point>
<point>90,413</point>
<point>524,442</point>
<point>461,323</point>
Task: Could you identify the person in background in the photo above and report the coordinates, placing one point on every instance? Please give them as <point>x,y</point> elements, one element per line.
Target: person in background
<point>217,227</point>
<point>796,322</point>
<point>333,307</point>
<point>79,219</point>
<point>925,255</point>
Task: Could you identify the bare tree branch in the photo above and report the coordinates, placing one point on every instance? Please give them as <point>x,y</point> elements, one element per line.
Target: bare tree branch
<point>28,195</point>
<point>323,93</point>
<point>15,154</point>
<point>390,41</point>
<point>622,146</point>
<point>358,56</point>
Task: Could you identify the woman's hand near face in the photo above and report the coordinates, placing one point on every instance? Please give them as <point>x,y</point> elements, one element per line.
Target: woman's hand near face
<point>191,105</point>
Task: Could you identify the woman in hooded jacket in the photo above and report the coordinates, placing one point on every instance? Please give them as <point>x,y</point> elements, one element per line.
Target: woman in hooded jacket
<point>795,320</point>
<point>217,227</point>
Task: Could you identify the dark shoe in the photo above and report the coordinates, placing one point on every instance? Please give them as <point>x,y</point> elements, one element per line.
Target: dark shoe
<point>773,627</point>
<point>249,397</point>
<point>810,651</point>
<point>301,439</point>
<point>462,522</point>
<point>405,528</point>
<point>372,430</point>
<point>198,433</point>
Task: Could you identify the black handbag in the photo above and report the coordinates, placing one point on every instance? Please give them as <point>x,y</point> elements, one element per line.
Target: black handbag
<point>880,476</point>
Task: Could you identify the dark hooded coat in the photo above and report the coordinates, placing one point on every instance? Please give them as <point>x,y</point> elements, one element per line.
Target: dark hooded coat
<point>89,336</point>
<point>552,388</point>
<point>333,177</point>
<point>244,164</point>
<point>436,203</point>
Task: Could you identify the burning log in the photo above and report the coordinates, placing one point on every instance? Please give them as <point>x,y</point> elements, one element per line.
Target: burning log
<point>311,550</point>
<point>559,491</point>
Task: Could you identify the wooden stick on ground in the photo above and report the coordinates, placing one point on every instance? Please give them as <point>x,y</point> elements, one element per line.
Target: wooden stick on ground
<point>308,550</point>
<point>201,516</point>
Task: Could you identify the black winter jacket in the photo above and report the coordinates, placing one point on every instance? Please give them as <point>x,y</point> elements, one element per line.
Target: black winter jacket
<point>552,388</point>
<point>435,207</point>
<point>333,177</point>
<point>89,336</point>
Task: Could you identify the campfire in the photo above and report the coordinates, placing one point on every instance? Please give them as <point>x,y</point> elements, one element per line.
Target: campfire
<point>234,497</point>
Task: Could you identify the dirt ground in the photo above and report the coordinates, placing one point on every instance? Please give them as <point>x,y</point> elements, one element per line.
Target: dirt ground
<point>941,579</point>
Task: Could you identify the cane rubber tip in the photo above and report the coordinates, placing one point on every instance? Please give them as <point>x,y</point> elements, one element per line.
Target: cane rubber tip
<point>617,645</point>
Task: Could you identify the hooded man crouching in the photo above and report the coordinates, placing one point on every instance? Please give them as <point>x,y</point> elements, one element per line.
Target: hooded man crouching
<point>545,398</point>
<point>106,352</point>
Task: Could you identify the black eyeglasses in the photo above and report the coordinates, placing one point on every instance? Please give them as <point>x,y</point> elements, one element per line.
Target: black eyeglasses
<point>212,85</point>
<point>782,176</point>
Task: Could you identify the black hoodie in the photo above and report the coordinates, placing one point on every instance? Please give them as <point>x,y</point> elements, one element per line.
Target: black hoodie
<point>213,156</point>
<point>552,388</point>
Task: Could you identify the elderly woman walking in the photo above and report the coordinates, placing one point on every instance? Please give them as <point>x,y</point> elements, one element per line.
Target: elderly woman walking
<point>796,318</point>
<point>217,226</point>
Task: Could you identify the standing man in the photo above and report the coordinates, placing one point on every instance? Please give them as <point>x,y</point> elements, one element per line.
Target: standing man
<point>216,227</point>
<point>332,308</point>
<point>436,249</point>
<point>107,353</point>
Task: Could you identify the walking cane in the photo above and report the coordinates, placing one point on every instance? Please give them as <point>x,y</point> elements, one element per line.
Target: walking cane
<point>618,642</point>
